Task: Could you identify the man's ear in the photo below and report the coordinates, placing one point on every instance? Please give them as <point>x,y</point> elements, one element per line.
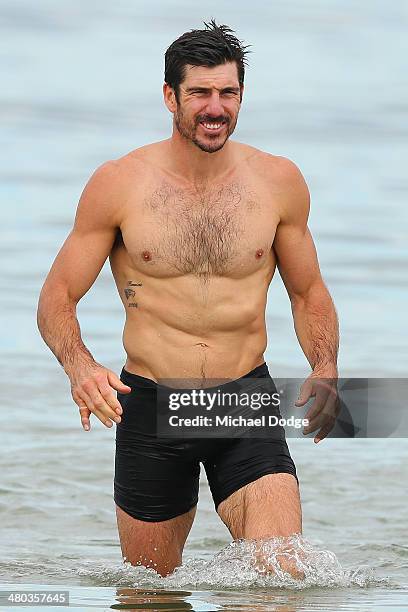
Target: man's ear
<point>169,96</point>
<point>242,92</point>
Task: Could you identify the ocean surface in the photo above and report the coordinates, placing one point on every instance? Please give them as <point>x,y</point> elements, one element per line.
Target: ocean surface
<point>326,87</point>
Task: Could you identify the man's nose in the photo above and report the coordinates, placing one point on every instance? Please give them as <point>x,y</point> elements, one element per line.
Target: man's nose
<point>214,106</point>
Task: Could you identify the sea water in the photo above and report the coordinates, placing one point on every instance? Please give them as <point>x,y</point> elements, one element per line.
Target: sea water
<point>81,83</point>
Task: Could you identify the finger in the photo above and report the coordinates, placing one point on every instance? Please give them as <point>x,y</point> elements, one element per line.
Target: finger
<point>320,413</point>
<point>109,397</point>
<point>102,417</point>
<point>330,408</point>
<point>315,409</point>
<point>117,384</point>
<point>319,404</point>
<point>325,430</point>
<point>305,393</point>
<point>329,416</point>
<point>327,387</point>
<point>98,405</point>
<point>100,414</point>
<point>83,410</point>
<point>93,401</point>
<point>312,426</point>
<point>324,403</point>
<point>85,413</point>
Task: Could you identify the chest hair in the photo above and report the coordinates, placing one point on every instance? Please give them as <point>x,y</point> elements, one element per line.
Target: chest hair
<point>200,233</point>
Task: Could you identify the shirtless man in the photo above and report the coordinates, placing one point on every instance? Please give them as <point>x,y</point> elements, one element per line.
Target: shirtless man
<point>194,227</point>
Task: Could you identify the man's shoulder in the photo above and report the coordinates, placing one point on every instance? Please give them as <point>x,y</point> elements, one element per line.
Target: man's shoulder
<point>141,157</point>
<point>281,171</point>
<point>115,174</point>
<point>283,180</point>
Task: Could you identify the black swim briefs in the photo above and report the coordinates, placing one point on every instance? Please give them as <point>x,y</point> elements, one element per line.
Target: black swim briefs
<point>158,478</point>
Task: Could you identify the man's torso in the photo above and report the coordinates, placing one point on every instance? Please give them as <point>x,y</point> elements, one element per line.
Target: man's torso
<point>193,264</point>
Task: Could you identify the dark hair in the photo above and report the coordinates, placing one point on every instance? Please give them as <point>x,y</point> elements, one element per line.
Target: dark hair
<point>210,47</point>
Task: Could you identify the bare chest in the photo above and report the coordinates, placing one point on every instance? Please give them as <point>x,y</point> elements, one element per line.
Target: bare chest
<point>223,230</point>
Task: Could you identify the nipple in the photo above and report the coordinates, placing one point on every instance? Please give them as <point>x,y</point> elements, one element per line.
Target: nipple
<point>146,256</point>
<point>259,253</point>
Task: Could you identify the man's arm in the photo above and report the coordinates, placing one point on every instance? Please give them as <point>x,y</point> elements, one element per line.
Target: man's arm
<point>73,272</point>
<point>314,314</point>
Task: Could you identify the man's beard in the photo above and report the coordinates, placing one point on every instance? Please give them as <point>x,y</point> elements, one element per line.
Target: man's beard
<point>189,131</point>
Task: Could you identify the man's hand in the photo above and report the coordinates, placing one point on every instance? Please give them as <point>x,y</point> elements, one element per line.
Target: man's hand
<point>92,390</point>
<point>326,407</point>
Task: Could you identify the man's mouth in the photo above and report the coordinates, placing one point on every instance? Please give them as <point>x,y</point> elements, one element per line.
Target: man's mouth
<point>213,126</point>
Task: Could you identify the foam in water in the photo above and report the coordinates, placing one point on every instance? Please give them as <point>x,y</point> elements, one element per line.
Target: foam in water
<point>243,564</point>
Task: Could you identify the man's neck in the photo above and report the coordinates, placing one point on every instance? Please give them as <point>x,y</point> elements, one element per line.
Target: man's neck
<point>196,166</point>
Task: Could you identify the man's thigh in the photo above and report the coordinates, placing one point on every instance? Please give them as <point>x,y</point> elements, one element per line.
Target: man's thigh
<point>254,486</point>
<point>267,507</point>
<point>158,545</point>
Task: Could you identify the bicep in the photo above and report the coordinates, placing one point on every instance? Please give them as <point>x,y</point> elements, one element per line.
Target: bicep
<point>296,259</point>
<point>79,262</point>
<point>293,244</point>
<point>90,241</point>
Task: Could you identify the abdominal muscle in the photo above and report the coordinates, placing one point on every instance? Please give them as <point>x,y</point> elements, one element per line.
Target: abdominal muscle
<point>207,333</point>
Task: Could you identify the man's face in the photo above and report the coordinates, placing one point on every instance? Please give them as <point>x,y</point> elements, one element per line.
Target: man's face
<point>208,106</point>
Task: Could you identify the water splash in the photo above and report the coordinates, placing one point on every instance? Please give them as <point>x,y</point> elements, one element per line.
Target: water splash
<point>243,564</point>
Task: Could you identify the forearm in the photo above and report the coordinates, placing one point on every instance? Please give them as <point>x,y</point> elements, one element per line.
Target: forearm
<point>60,330</point>
<point>317,328</point>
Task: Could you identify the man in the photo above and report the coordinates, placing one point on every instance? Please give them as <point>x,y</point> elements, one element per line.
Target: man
<point>194,227</point>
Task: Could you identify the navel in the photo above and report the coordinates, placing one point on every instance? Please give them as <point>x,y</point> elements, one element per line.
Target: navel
<point>259,253</point>
<point>202,344</point>
<point>146,256</point>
